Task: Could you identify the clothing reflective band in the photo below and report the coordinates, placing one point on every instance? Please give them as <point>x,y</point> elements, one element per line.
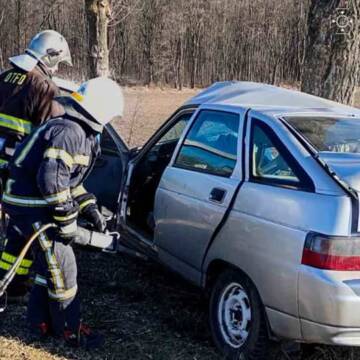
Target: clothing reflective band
<point>63,295</point>
<point>20,271</point>
<point>3,162</point>
<point>11,260</point>
<point>77,96</point>
<point>35,202</point>
<point>19,125</point>
<point>68,159</point>
<point>66,218</point>
<point>59,197</point>
<point>53,153</point>
<point>79,190</point>
<point>40,280</point>
<point>86,203</point>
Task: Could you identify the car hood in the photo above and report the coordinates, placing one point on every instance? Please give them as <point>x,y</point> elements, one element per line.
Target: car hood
<point>345,165</point>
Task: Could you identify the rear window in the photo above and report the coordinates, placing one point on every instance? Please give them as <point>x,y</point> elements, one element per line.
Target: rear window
<point>329,134</point>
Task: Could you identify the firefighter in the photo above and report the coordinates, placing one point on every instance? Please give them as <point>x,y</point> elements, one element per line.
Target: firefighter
<point>45,186</point>
<point>26,101</point>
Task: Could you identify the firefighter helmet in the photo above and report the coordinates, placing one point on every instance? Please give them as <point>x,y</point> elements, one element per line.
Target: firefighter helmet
<point>48,47</point>
<point>102,98</point>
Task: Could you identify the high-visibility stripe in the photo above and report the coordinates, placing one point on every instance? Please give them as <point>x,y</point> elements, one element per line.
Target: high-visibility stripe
<point>82,160</point>
<point>11,260</point>
<point>59,197</point>
<point>53,153</point>
<point>53,265</point>
<point>29,145</point>
<point>40,280</point>
<point>63,295</point>
<point>86,203</point>
<point>77,191</point>
<point>20,271</point>
<point>52,199</point>
<point>68,159</point>
<point>19,125</point>
<point>66,218</point>
<point>3,162</point>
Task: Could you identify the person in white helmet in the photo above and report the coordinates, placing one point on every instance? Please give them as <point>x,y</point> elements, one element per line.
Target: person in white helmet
<point>45,186</point>
<point>26,101</point>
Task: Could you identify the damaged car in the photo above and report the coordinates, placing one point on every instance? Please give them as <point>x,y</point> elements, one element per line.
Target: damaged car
<point>250,192</point>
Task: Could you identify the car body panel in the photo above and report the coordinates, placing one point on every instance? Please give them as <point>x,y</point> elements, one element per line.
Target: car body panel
<point>185,217</point>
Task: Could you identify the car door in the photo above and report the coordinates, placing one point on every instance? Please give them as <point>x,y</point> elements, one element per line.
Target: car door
<point>197,187</point>
<point>105,179</point>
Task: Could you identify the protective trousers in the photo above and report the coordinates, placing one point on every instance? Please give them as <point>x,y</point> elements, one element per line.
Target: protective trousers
<point>14,243</point>
<point>53,299</point>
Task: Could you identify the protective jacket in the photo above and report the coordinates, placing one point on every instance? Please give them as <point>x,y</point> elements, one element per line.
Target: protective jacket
<point>26,101</point>
<point>49,167</point>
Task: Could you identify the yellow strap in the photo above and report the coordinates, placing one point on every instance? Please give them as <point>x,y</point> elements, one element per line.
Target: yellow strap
<point>77,191</point>
<point>19,125</point>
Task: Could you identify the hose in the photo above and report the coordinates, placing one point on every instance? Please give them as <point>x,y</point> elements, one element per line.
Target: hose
<point>6,280</point>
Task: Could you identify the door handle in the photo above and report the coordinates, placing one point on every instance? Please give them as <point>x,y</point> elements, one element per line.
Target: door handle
<point>217,195</point>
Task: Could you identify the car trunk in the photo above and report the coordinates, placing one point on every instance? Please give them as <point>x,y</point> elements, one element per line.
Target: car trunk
<point>345,165</point>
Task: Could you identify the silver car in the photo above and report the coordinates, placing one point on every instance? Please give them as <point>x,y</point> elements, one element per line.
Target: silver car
<point>251,192</point>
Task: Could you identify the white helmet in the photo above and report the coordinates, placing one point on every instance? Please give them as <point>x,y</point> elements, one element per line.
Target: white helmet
<point>102,98</point>
<point>48,47</point>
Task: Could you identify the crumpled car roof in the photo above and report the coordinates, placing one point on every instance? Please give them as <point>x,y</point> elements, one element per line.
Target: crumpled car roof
<point>266,97</point>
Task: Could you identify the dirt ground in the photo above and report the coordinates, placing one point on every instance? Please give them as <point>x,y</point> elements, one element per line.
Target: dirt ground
<point>144,311</point>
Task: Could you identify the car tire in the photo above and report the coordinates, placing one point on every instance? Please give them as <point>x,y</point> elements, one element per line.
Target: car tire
<point>237,318</point>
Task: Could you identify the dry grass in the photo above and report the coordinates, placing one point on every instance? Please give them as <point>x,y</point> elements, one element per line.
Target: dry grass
<point>145,311</point>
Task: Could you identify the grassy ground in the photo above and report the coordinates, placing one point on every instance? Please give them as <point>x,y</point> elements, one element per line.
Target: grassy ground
<point>145,311</point>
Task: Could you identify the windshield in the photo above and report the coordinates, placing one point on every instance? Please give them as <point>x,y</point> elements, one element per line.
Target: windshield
<point>329,134</point>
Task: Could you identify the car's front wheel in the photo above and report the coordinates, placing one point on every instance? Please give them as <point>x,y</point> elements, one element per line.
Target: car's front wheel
<point>237,318</point>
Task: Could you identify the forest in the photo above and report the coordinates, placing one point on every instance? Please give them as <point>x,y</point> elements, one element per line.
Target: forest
<point>179,43</point>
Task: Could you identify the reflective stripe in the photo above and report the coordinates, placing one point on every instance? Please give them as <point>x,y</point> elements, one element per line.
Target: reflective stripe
<point>79,190</point>
<point>20,271</point>
<point>19,125</point>
<point>3,162</point>
<point>29,201</point>
<point>68,159</point>
<point>82,160</point>
<point>40,280</point>
<point>53,153</point>
<point>29,145</point>
<point>53,265</point>
<point>86,203</point>
<point>65,218</point>
<point>59,197</point>
<point>63,295</point>
<point>11,260</point>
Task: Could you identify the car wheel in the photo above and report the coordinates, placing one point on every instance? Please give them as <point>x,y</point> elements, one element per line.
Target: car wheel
<point>237,318</point>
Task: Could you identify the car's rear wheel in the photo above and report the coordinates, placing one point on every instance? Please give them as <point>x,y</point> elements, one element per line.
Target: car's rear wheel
<point>237,318</point>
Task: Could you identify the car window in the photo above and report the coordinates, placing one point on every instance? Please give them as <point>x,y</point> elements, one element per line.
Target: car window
<point>176,131</point>
<point>268,162</point>
<point>272,163</point>
<point>211,144</point>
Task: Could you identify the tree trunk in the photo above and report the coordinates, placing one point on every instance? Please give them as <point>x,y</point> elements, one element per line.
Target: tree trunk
<point>98,14</point>
<point>332,51</point>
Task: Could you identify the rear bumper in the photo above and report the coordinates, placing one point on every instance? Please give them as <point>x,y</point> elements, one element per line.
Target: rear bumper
<point>329,306</point>
<point>318,333</point>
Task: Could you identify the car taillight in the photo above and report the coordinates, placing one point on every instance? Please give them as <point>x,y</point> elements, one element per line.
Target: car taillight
<point>332,253</point>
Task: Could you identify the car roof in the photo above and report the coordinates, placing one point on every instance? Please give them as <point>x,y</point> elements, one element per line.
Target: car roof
<point>268,98</point>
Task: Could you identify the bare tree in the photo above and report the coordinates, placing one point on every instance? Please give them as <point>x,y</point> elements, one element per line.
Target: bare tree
<point>332,52</point>
<point>98,14</point>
